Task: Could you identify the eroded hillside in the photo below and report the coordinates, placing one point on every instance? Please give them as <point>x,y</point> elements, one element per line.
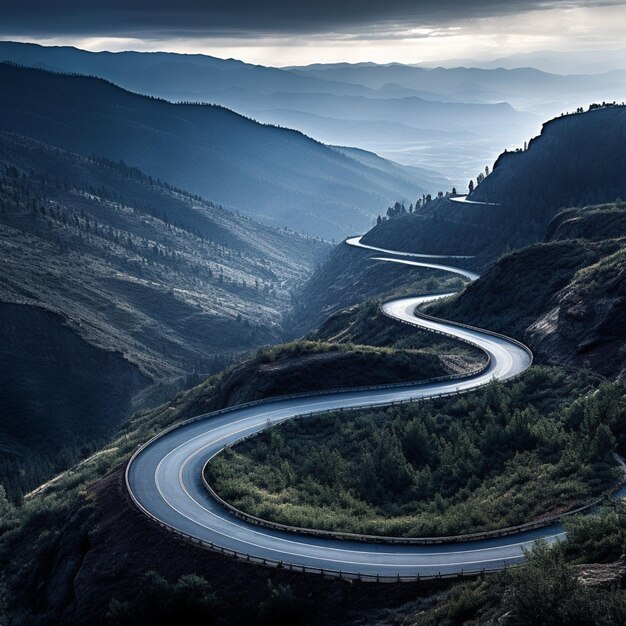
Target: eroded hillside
<point>115,282</point>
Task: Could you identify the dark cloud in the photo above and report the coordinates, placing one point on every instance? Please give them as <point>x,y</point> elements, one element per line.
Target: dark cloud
<point>197,18</point>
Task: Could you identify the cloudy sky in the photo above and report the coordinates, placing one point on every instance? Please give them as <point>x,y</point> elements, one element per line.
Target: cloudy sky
<point>285,32</point>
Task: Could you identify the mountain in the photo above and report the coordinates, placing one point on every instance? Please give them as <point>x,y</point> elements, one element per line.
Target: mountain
<point>554,61</point>
<point>169,75</point>
<point>116,290</point>
<point>390,118</point>
<point>578,159</point>
<point>79,551</point>
<point>524,87</point>
<point>276,175</point>
<point>450,119</point>
<point>573,287</point>
<point>387,167</point>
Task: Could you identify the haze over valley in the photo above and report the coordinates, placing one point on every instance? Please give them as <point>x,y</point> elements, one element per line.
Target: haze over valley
<point>453,120</point>
<point>313,314</point>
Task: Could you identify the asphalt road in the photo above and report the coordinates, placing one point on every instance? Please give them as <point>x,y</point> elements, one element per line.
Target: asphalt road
<point>164,477</point>
<point>464,200</point>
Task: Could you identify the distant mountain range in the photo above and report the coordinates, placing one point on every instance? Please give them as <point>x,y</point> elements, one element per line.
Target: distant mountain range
<point>453,119</point>
<point>276,175</point>
<point>554,61</point>
<point>408,114</point>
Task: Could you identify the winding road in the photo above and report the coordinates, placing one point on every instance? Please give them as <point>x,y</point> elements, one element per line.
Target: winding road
<point>164,477</point>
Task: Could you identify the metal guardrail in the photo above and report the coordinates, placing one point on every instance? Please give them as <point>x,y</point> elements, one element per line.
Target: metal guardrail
<point>326,572</point>
<point>329,534</point>
<point>305,569</point>
<point>381,539</point>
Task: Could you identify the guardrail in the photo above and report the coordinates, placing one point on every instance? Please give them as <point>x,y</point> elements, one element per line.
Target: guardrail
<point>327,572</point>
<point>502,532</point>
<point>307,569</point>
<point>381,539</point>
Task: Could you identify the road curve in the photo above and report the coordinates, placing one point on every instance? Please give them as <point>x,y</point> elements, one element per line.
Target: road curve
<point>464,200</point>
<point>164,476</point>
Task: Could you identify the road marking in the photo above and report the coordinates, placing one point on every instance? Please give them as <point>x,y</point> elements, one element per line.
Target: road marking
<point>402,309</point>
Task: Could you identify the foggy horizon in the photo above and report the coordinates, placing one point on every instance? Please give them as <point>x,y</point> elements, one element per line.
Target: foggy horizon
<point>425,33</point>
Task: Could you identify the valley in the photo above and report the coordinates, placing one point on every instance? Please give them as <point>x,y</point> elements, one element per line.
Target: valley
<point>118,290</point>
<point>251,375</point>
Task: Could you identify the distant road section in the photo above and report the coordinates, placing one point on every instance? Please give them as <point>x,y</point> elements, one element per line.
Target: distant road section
<point>357,243</point>
<point>164,477</point>
<point>464,200</point>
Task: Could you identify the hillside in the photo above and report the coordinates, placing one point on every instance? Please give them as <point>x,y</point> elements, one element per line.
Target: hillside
<point>103,548</point>
<point>114,283</point>
<point>539,437</point>
<point>526,190</point>
<point>372,473</point>
<point>350,276</point>
<point>540,177</point>
<point>575,314</point>
<point>277,175</point>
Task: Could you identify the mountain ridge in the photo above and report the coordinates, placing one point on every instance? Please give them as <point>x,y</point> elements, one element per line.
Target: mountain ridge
<point>277,175</point>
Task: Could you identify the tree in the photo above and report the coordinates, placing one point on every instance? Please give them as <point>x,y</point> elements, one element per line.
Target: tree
<point>603,442</point>
<point>471,186</point>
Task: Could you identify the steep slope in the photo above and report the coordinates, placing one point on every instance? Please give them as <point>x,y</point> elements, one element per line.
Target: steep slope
<point>572,308</point>
<point>577,160</point>
<point>112,283</point>
<point>279,176</point>
<point>387,167</point>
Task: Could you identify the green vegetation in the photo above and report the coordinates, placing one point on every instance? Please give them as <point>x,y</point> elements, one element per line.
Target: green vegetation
<point>304,366</point>
<point>578,581</point>
<point>498,457</point>
<point>572,314</point>
<point>188,600</point>
<point>192,600</point>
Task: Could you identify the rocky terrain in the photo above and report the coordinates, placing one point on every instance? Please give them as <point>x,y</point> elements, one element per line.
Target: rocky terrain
<point>573,314</point>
